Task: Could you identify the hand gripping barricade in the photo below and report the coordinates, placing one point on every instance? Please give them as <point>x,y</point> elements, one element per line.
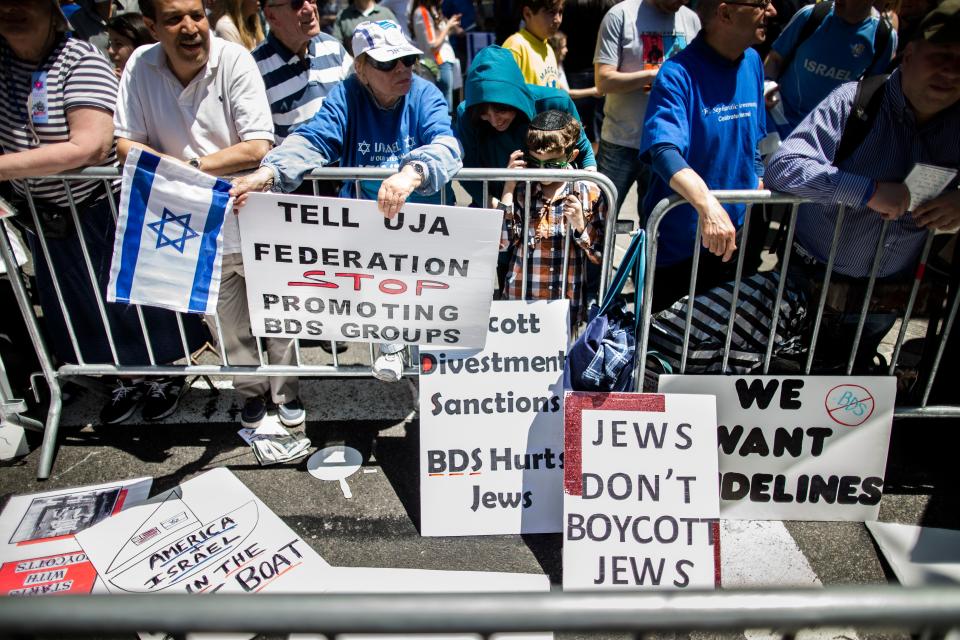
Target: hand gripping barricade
<point>213,362</point>
<point>740,350</point>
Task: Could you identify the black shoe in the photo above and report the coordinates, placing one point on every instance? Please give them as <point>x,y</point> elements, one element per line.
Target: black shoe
<point>254,409</point>
<point>163,396</point>
<point>124,400</point>
<point>327,346</point>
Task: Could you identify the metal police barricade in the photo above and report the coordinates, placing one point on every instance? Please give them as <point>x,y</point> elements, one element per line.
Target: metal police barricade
<point>751,198</point>
<point>54,373</point>
<point>930,610</point>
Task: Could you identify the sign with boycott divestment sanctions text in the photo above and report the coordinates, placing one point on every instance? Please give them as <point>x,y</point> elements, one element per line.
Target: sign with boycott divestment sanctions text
<point>640,502</point>
<point>337,269</point>
<point>799,448</point>
<point>491,426</point>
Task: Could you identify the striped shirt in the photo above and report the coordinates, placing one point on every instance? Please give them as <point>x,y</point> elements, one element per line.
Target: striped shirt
<point>77,76</point>
<point>803,166</point>
<point>296,88</point>
<point>545,240</point>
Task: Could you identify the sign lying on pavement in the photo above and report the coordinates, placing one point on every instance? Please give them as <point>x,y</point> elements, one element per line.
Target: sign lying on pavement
<point>334,268</point>
<point>798,448</point>
<point>207,535</point>
<point>491,427</point>
<point>39,554</point>
<point>640,492</point>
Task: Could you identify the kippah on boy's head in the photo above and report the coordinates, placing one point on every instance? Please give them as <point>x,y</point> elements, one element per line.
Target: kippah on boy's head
<point>552,132</point>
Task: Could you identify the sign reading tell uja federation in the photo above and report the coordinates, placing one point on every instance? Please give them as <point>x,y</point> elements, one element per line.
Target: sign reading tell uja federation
<point>335,268</point>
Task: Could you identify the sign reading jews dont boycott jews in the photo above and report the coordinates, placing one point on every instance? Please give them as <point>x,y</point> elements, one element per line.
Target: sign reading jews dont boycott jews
<point>798,448</point>
<point>338,269</point>
<point>640,491</point>
<point>491,426</point>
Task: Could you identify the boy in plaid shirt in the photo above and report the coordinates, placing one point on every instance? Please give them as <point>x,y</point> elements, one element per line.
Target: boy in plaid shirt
<point>551,144</point>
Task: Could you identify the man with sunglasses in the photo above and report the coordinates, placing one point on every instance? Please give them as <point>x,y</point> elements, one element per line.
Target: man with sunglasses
<point>381,116</point>
<point>300,65</point>
<point>704,121</point>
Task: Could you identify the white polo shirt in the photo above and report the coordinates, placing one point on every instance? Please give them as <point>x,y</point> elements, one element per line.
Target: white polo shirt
<point>223,105</point>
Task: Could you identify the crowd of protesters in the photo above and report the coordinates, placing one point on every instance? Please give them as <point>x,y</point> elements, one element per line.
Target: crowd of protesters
<point>281,87</point>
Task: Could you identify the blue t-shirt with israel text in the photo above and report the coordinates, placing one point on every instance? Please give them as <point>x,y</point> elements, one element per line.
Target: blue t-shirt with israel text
<point>835,53</point>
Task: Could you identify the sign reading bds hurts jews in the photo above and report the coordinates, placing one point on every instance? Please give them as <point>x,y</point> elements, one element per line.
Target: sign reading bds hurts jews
<point>491,426</point>
<point>337,269</point>
<point>799,448</point>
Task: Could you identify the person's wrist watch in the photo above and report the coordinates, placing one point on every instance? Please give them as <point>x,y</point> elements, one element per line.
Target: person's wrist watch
<point>421,170</point>
<point>194,162</point>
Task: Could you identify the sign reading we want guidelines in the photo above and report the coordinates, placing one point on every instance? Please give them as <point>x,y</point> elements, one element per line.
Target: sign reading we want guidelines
<point>337,269</point>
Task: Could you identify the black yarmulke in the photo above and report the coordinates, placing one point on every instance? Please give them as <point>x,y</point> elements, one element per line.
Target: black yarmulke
<point>551,120</point>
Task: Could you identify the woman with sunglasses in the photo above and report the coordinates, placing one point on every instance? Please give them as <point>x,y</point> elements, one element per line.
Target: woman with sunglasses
<point>56,114</point>
<point>381,116</point>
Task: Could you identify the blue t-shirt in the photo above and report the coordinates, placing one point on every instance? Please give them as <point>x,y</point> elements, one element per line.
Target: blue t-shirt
<point>835,53</point>
<point>711,109</point>
<point>379,137</point>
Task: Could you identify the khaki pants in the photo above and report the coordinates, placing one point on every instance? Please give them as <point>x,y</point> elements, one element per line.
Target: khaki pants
<point>241,345</point>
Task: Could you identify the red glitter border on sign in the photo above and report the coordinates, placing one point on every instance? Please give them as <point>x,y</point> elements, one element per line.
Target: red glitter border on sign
<point>574,403</point>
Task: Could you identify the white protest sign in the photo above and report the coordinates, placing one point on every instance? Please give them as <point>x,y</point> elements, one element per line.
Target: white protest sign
<point>39,552</point>
<point>210,534</point>
<point>640,492</point>
<point>799,448</point>
<point>491,426</point>
<point>919,555</point>
<point>337,269</point>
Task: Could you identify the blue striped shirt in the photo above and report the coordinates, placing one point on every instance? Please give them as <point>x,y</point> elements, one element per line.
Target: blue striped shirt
<point>803,167</point>
<point>296,88</point>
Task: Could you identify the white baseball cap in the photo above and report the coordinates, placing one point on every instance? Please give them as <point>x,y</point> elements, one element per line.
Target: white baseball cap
<point>382,40</point>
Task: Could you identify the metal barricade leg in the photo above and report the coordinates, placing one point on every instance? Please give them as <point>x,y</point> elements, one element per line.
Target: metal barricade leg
<point>52,424</point>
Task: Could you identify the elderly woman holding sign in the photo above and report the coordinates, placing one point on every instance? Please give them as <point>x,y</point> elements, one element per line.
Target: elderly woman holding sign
<point>383,116</point>
<point>56,115</point>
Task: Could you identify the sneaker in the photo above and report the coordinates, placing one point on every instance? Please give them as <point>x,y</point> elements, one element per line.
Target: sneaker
<point>327,346</point>
<point>124,400</point>
<point>388,367</point>
<point>292,413</point>
<point>163,396</point>
<point>254,409</point>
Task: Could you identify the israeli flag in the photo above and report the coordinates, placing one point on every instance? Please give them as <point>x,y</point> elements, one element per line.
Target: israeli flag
<point>169,243</point>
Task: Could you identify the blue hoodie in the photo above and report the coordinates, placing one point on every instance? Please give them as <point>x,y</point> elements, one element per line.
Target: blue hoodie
<point>352,128</point>
<point>495,77</point>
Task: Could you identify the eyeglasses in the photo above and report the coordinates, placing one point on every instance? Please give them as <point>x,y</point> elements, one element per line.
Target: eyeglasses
<point>553,163</point>
<point>390,65</point>
<point>756,5</point>
<point>296,5</point>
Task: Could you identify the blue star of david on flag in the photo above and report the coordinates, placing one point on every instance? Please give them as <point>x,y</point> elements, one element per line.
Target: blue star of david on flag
<point>178,242</point>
